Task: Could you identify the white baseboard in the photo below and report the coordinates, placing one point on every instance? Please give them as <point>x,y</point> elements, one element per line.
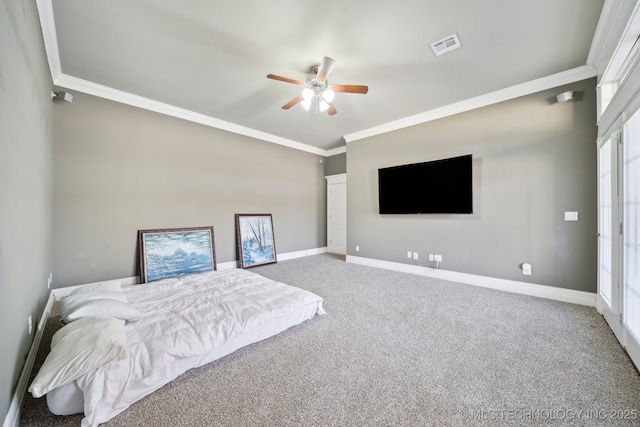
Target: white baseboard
<point>300,254</point>
<point>550,292</point>
<point>279,257</point>
<point>542,291</point>
<point>125,281</point>
<point>227,265</point>
<point>13,415</point>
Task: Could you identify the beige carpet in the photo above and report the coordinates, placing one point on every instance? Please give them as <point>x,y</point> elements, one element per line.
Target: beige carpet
<point>397,349</point>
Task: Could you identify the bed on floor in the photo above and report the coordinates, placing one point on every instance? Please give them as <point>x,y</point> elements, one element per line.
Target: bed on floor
<point>121,343</point>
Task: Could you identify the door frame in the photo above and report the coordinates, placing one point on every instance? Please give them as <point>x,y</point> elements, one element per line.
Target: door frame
<point>612,313</point>
<point>332,181</point>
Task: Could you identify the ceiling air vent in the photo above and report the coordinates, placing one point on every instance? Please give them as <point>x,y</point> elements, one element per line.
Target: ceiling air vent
<point>445,45</point>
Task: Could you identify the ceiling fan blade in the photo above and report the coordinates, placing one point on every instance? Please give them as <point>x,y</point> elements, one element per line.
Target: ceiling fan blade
<point>293,102</point>
<point>332,110</point>
<point>350,88</point>
<point>285,79</point>
<point>325,69</point>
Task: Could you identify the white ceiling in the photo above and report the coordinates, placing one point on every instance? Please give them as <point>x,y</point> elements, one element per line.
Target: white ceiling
<point>207,60</point>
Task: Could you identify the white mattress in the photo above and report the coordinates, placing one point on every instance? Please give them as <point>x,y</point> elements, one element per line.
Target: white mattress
<point>188,322</point>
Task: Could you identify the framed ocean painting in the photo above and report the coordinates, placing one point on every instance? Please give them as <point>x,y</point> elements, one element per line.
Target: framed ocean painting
<point>173,252</point>
<point>256,245</point>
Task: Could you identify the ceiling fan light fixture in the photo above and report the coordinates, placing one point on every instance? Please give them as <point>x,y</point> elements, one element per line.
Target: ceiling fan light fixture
<point>307,93</point>
<point>328,95</point>
<point>316,91</point>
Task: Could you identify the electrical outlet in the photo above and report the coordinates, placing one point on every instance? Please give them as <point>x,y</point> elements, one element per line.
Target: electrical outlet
<point>357,248</point>
<point>430,257</point>
<point>415,255</point>
<point>437,258</point>
<point>30,324</point>
<point>409,254</point>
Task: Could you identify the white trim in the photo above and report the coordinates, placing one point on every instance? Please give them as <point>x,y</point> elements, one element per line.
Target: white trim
<point>227,265</point>
<point>610,17</point>
<point>631,345</point>
<point>527,88</point>
<point>12,418</point>
<point>135,280</point>
<point>338,178</point>
<point>334,151</point>
<point>106,92</point>
<point>48,25</point>
<point>47,22</point>
<point>624,44</point>
<point>13,415</point>
<point>542,291</point>
<point>567,295</point>
<point>300,254</point>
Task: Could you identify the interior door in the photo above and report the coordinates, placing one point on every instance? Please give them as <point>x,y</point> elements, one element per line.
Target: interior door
<point>608,270</point>
<point>337,214</point>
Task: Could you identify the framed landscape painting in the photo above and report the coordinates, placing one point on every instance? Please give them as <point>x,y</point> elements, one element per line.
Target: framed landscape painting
<point>256,244</point>
<point>173,252</point>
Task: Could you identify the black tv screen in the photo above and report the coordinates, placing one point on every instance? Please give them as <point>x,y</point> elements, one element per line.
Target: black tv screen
<point>437,187</point>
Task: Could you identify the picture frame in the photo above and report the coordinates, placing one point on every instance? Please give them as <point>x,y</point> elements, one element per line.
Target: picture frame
<point>173,252</point>
<point>256,242</point>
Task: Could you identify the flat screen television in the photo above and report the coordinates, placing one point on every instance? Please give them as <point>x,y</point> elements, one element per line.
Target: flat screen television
<point>436,187</point>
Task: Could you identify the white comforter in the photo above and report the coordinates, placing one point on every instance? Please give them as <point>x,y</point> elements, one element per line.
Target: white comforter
<point>187,322</point>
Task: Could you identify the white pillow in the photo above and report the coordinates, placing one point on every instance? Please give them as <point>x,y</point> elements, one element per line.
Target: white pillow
<point>98,286</point>
<point>79,348</point>
<point>75,299</point>
<point>98,308</point>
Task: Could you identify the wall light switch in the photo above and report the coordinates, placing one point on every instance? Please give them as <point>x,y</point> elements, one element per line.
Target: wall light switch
<point>571,216</point>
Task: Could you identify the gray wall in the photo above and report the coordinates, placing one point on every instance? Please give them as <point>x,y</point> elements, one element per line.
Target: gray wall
<point>118,169</point>
<point>533,160</point>
<point>25,186</point>
<point>335,164</point>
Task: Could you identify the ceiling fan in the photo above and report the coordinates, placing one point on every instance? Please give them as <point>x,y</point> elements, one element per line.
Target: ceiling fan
<point>316,90</point>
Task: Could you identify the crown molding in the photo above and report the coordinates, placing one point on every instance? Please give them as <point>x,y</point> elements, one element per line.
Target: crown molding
<point>47,22</point>
<point>334,151</point>
<point>614,14</point>
<point>527,88</point>
<point>48,25</point>
<point>127,98</point>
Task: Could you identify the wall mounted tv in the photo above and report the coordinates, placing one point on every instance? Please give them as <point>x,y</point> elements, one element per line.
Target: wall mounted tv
<point>437,187</point>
